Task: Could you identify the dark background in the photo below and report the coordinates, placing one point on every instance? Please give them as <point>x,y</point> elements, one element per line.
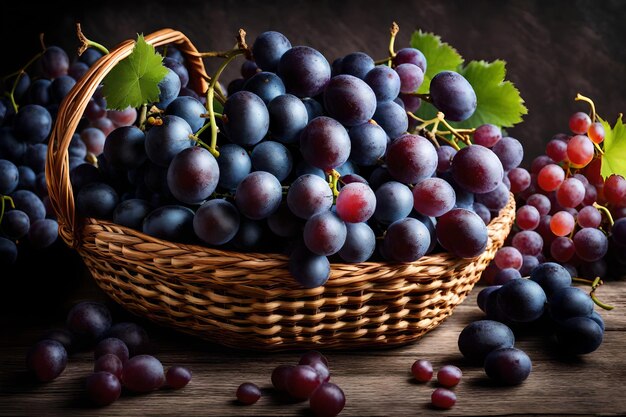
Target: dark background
<point>554,49</point>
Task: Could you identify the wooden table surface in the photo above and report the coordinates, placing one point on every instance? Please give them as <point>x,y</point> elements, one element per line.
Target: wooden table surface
<point>376,382</point>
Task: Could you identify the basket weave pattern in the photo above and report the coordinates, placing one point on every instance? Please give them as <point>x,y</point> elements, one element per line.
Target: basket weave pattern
<point>249,300</point>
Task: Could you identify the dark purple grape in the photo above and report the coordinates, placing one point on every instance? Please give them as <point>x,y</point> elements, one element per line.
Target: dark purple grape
<point>384,81</point>
<point>324,233</point>
<point>510,152</point>
<point>272,157</point>
<point>173,223</point>
<point>9,177</point>
<point>15,224</point>
<point>302,381</point>
<point>235,86</point>
<point>134,337</point>
<point>32,123</point>
<point>445,154</point>
<point>481,300</point>
<point>109,363</point>
<point>250,236</point>
<point>411,77</point>
<point>487,135</point>
<point>579,335</point>
<point>411,158</point>
<point>234,165</point>
<point>103,388</point>
<point>521,300</point>
<point>477,169</point>
<point>313,108</point>
<point>246,119</point>
<point>462,232</point>
<point>189,109</point>
<point>11,147</point>
<point>508,366</point>
<point>505,275</point>
<point>216,222</point>
<point>96,200</point>
<point>452,94</point>
<point>349,100</point>
<point>114,346</point>
<point>60,87</point>
<point>552,277</point>
<point>43,233</point>
<point>360,243</point>
<point>481,337</point>
<point>392,118</point>
<point>368,144</point>
<point>304,71</point>
<point>164,142</point>
<point>258,195</point>
<point>89,320</point>
<point>528,242</point>
<point>46,360</point>
<point>29,203</point>
<point>266,85</point>
<point>54,62</point>
<point>177,377</point>
<point>8,251</point>
<point>169,88</point>
<point>309,269</point>
<point>249,68</point>
<point>284,223</point>
<point>131,213</point>
<point>591,244</point>
<point>35,157</point>
<point>193,175</point>
<point>407,240</point>
<point>280,376</point>
<point>288,116</point>
<point>496,199</point>
<point>433,197</point>
<point>483,212</point>
<point>248,393</point>
<point>179,69</point>
<point>143,373</point>
<point>268,48</point>
<point>309,195</point>
<point>410,56</point>
<point>394,201</point>
<point>327,401</point>
<point>357,64</point>
<point>325,143</point>
<point>570,302</point>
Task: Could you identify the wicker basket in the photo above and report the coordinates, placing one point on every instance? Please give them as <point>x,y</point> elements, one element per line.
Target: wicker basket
<point>249,300</point>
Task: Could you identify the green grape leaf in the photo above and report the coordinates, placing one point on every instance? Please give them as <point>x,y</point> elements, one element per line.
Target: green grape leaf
<point>614,147</point>
<point>439,56</point>
<point>134,81</point>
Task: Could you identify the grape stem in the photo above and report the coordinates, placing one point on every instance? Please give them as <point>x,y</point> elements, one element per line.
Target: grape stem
<point>414,117</point>
<point>448,141</point>
<point>392,40</point>
<point>18,76</point>
<point>598,148</point>
<point>333,178</point>
<point>580,97</point>
<point>86,43</point>
<point>452,130</point>
<point>143,115</point>
<point>606,212</point>
<point>3,200</point>
<point>594,286</point>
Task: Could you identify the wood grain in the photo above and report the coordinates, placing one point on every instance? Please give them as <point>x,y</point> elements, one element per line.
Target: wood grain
<point>376,382</point>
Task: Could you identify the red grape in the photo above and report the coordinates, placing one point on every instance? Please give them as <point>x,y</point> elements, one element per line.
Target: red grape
<point>356,203</point>
<point>302,381</point>
<point>557,150</point>
<point>143,373</point>
<point>550,177</point>
<point>327,401</point>
<point>615,190</point>
<point>520,180</point>
<point>562,223</point>
<point>248,393</point>
<point>570,193</point>
<point>487,135</point>
<point>310,357</point>
<point>280,376</point>
<point>422,370</point>
<point>508,257</point>
<point>177,377</point>
<point>449,376</point>
<point>579,123</point>
<point>443,398</point>
<point>47,360</point>
<point>527,217</point>
<point>540,202</point>
<point>580,150</point>
<point>103,388</point>
<point>562,249</point>
<point>596,132</point>
<point>109,363</point>
<point>589,217</point>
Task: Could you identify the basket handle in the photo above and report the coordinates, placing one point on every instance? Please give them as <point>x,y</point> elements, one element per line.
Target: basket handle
<point>71,111</point>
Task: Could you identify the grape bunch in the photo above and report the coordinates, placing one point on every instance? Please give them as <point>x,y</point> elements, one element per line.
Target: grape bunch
<point>568,212</point>
<point>120,357</point>
<point>448,377</point>
<point>324,162</point>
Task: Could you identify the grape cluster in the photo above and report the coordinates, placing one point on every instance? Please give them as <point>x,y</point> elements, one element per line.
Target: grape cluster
<point>448,377</point>
<point>314,159</point>
<point>568,213</point>
<point>119,355</point>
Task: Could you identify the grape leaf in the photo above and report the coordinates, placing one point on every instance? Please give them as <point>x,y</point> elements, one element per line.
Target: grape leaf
<point>134,81</point>
<point>614,147</point>
<point>439,56</point>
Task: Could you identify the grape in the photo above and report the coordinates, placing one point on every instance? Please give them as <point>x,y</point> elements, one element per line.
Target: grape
<point>288,116</point>
<point>15,224</point>
<point>508,257</point>
<point>235,86</point>
<point>481,300</point>
<point>407,240</point>
<point>103,388</point>
<point>510,152</point>
<point>360,243</point>
<point>169,87</point>
<point>557,150</point>
<point>481,337</point>
<point>112,346</point>
<point>302,381</point>
<point>579,335</point>
<point>551,277</point>
<point>109,363</point>
<point>268,48</point>
<point>95,141</point>
<point>357,64</point>
<point>449,376</point>
<point>482,211</point>
<point>249,68</point>
<point>280,376</point>
<point>433,197</point>
<point>394,201</point>
<point>311,357</point>
<point>349,100</point>
<point>173,223</point>
<point>443,398</point>
<point>29,203</point>
<point>325,143</point>
<point>477,169</point>
<point>392,118</point>
<point>508,366</point>
<point>89,320</point>
<point>43,233</point>
<point>309,195</point>
<point>527,217</point>
<point>96,109</point>
<point>562,223</point>
<point>521,300</point>
<point>258,195</point>
<point>8,251</point>
<point>143,373</point>
<point>591,244</point>
<point>596,132</point>
<point>179,69</point>
<point>335,68</point>
<point>579,123</point>
<point>410,102</point>
<point>32,123</point>
<point>63,336</point>
<point>618,231</point>
<point>368,144</point>
<point>131,213</point>
<point>384,81</point>
<point>266,85</point>
<point>598,319</point>
<point>540,162</point>
<point>570,193</point>
<point>193,175</point>
<point>54,62</point>
<point>410,56</point>
<point>550,177</point>
<point>188,109</point>
<point>615,190</point>
<point>164,142</point>
<point>580,150</point>
<point>246,119</point>
<point>327,401</point>
<point>11,148</point>
<point>177,377</point>
<point>487,135</point>
<point>411,77</point>
<point>313,108</point>
<point>445,154</point>
<point>284,223</point>
<point>77,148</point>
<point>96,200</point>
<point>35,157</point>
<point>272,157</point>
<point>304,71</point>
<point>248,393</point>
<point>540,202</point>
<point>324,233</point>
<point>411,158</point>
<point>453,95</point>
<point>570,302</point>
<point>133,336</point>
<point>39,92</point>
<point>60,87</point>
<point>520,180</point>
<point>422,370</point>
<point>234,165</point>
<point>505,275</point>
<point>356,203</point>
<point>9,177</point>
<point>562,249</point>
<point>46,360</point>
<point>589,217</point>
<point>529,263</point>
<point>309,269</point>
<point>41,186</point>
<point>462,233</point>
<point>104,124</point>
<point>125,147</point>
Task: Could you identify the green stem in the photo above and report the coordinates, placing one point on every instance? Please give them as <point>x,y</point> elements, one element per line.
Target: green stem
<point>600,151</point>
<point>18,76</point>
<point>86,43</point>
<point>143,115</point>
<point>594,286</point>
<point>3,200</point>
<point>203,144</point>
<point>606,212</point>
<point>456,133</point>
<point>580,97</point>
<point>333,178</point>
